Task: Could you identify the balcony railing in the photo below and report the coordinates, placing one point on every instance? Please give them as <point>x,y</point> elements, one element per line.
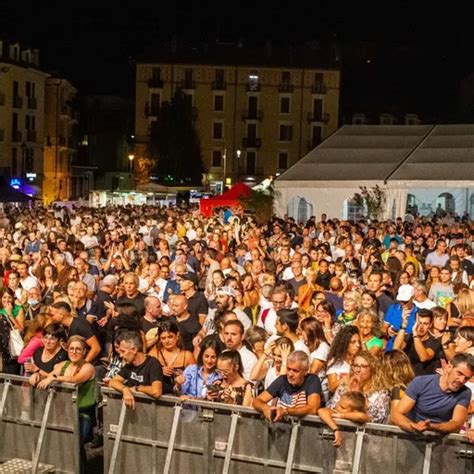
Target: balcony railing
<point>3,98</point>
<point>313,117</point>
<point>188,84</point>
<point>251,142</point>
<point>155,83</point>
<point>31,135</point>
<point>219,86</point>
<point>253,115</point>
<point>318,88</point>
<point>17,136</point>
<point>18,102</point>
<point>250,170</point>
<point>32,103</point>
<point>285,87</point>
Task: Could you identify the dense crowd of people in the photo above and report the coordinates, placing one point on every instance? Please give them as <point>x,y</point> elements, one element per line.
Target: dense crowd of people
<point>362,321</point>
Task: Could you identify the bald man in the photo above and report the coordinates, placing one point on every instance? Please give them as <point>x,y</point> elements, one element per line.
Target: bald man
<point>189,325</point>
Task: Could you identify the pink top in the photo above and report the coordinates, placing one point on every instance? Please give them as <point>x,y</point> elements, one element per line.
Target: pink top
<point>30,348</point>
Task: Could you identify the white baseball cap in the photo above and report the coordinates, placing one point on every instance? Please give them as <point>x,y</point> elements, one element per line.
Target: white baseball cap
<point>405,293</point>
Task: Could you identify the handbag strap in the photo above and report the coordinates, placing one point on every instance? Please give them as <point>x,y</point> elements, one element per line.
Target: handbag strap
<point>9,321</point>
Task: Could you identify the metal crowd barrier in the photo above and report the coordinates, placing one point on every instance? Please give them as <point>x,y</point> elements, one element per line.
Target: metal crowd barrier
<point>171,436</point>
<point>39,430</point>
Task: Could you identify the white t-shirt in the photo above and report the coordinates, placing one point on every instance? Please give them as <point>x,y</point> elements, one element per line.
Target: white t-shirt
<point>321,353</point>
<point>29,282</point>
<point>339,369</point>
<point>249,359</point>
<point>427,304</point>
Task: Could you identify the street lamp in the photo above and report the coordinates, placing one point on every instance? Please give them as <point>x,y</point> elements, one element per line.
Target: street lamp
<point>224,156</point>
<point>131,158</point>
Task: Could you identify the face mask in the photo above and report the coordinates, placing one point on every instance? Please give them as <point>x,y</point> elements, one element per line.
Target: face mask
<point>33,302</point>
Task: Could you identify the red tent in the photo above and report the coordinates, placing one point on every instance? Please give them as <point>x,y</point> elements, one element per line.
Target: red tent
<point>231,198</point>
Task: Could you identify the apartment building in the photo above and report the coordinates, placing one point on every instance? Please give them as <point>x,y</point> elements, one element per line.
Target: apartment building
<point>257,111</point>
<point>60,142</point>
<point>22,85</point>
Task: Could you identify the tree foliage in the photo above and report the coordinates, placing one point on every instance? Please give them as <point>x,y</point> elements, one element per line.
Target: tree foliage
<point>260,204</point>
<point>174,143</point>
<point>372,200</point>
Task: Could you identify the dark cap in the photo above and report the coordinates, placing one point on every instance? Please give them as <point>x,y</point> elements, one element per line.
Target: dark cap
<point>190,277</point>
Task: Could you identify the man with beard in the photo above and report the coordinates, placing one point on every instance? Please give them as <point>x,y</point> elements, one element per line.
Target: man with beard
<point>437,403</point>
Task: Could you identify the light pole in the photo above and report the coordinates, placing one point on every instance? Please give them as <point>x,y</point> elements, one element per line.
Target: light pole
<point>131,158</point>
<point>238,153</point>
<point>224,156</point>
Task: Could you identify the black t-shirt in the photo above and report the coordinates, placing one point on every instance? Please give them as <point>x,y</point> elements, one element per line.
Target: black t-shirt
<point>424,368</point>
<point>219,341</point>
<point>188,330</point>
<point>295,284</point>
<point>89,308</point>
<point>101,298</point>
<point>138,302</point>
<point>290,396</point>
<point>197,304</point>
<point>145,374</point>
<point>80,327</point>
<point>323,279</point>
<point>384,302</point>
<point>147,325</point>
<point>61,356</point>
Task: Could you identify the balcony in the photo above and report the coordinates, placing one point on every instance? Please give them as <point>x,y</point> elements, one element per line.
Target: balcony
<point>18,102</point>
<point>286,87</point>
<point>31,136</point>
<point>32,103</point>
<point>318,88</point>
<point>187,84</point>
<point>253,87</point>
<point>219,86</point>
<point>250,171</point>
<point>155,83</point>
<point>65,110</point>
<point>251,142</point>
<point>17,136</point>
<point>312,117</point>
<point>2,135</point>
<point>253,115</point>
<point>3,99</point>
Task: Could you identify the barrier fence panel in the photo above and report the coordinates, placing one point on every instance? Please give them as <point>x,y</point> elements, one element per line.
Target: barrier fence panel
<point>39,426</point>
<point>169,436</point>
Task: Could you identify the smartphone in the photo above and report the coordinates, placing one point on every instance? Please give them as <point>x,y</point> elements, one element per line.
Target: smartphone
<point>212,388</point>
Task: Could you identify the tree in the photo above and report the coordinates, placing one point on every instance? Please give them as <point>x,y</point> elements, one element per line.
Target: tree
<point>372,199</point>
<point>260,204</point>
<point>174,143</point>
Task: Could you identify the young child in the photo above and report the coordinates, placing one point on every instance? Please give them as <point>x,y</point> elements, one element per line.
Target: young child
<point>340,272</point>
<point>352,406</point>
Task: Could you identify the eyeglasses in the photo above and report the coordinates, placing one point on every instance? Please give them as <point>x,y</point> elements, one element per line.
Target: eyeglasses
<point>361,367</point>
<point>75,349</point>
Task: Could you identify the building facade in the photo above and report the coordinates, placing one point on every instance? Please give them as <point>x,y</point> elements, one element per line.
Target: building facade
<point>22,106</point>
<point>255,114</point>
<point>60,139</point>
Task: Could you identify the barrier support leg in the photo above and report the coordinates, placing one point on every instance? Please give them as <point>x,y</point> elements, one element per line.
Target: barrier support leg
<point>44,421</point>
<point>292,448</point>
<point>174,429</point>
<point>427,458</point>
<point>357,451</point>
<point>230,443</point>
<point>6,388</point>
<point>118,436</point>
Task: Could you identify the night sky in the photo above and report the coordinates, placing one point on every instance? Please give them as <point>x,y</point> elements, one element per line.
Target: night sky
<point>418,54</point>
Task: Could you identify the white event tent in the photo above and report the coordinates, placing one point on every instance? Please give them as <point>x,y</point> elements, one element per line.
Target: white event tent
<point>422,166</point>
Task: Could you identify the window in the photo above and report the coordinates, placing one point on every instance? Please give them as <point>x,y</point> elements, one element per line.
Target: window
<point>252,105</point>
<point>156,73</point>
<point>251,131</point>
<point>317,136</point>
<point>253,84</point>
<point>217,131</point>
<point>286,133</point>
<point>14,122</point>
<point>219,76</point>
<point>28,88</point>
<point>251,162</point>
<point>354,210</point>
<point>283,160</point>
<point>27,122</point>
<point>29,160</point>
<point>155,103</point>
<point>317,109</point>
<point>15,88</point>
<point>14,161</point>
<point>188,99</point>
<point>218,103</point>
<point>286,77</point>
<point>284,105</point>
<point>216,158</point>
<point>33,123</point>
<point>188,75</point>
